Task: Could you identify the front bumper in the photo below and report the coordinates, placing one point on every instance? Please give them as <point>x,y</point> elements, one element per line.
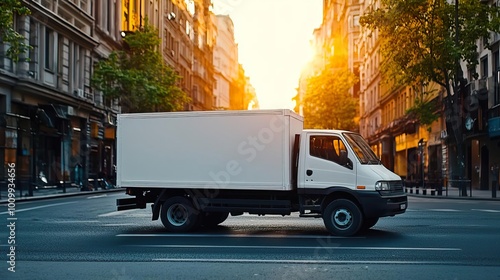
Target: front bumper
<point>374,205</point>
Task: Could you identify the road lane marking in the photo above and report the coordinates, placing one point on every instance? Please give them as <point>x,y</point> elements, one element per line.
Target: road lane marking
<point>295,247</point>
<point>97,196</point>
<point>300,261</point>
<point>444,210</point>
<point>118,225</point>
<point>71,222</point>
<point>116,213</point>
<point>487,210</point>
<point>236,235</point>
<point>38,207</point>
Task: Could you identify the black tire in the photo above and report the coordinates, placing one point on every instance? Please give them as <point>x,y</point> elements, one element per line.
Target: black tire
<point>368,223</point>
<point>213,219</point>
<point>342,217</point>
<point>179,215</point>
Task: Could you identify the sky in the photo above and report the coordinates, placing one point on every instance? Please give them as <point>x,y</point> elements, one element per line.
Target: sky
<point>273,38</point>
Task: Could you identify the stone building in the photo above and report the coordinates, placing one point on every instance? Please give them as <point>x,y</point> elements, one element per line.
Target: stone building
<point>57,130</point>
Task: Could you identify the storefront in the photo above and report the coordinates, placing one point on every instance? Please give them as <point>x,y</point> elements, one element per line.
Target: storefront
<point>16,147</point>
<point>56,146</point>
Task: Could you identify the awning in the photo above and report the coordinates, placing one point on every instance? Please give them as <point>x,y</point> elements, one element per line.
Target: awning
<point>44,118</point>
<point>55,110</point>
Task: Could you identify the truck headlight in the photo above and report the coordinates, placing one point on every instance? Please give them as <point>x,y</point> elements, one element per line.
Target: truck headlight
<point>382,186</point>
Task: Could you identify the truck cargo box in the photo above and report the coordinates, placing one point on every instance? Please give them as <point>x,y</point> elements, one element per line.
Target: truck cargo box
<point>244,150</point>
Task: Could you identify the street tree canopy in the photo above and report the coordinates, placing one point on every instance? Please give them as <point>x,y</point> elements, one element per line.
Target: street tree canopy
<point>138,76</point>
<point>418,38</point>
<point>327,102</point>
<point>423,42</point>
<point>8,35</point>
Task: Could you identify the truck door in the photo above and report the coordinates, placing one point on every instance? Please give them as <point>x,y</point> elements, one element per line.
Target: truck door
<point>327,163</point>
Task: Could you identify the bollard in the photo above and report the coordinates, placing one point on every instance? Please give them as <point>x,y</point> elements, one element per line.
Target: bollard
<point>463,188</point>
<point>494,189</point>
<point>494,184</point>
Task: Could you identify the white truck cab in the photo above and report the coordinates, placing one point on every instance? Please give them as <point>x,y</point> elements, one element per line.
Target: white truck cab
<point>336,161</point>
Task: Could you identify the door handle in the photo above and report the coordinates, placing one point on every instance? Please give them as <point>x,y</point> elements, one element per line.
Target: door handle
<point>309,172</point>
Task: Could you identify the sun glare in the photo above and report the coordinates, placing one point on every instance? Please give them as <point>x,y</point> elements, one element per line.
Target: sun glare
<point>273,38</point>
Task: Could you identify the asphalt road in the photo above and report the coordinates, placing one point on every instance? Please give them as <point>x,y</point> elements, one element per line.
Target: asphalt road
<point>85,238</point>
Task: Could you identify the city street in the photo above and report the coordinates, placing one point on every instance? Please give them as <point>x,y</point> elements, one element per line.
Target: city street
<point>83,237</point>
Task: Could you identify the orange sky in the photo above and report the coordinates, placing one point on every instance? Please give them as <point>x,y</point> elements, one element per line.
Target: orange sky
<point>273,38</point>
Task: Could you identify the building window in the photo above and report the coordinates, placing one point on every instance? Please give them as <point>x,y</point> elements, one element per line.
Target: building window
<point>49,49</point>
<point>105,19</point>
<point>496,75</point>
<point>484,66</point>
<point>356,20</point>
<point>33,53</point>
<point>87,70</point>
<point>77,67</point>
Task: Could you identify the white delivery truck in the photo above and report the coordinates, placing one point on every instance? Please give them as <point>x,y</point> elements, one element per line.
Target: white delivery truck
<point>196,168</point>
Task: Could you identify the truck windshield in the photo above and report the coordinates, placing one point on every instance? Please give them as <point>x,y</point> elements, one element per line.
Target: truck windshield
<point>361,149</point>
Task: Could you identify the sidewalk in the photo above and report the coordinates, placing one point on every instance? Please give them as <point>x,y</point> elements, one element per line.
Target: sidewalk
<point>453,193</point>
<point>22,195</point>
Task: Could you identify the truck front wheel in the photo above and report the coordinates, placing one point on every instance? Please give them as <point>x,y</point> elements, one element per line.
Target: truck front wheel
<point>178,214</point>
<point>342,217</point>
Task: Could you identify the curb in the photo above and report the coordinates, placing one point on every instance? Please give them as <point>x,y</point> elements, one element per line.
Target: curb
<point>59,195</point>
<point>453,197</point>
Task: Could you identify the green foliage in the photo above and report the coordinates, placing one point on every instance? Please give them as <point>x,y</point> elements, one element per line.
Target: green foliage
<point>8,35</point>
<point>418,40</point>
<point>327,101</point>
<point>138,75</point>
<point>424,111</point>
<point>417,37</point>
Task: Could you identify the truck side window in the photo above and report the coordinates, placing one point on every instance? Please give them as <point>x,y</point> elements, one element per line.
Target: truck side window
<point>326,147</point>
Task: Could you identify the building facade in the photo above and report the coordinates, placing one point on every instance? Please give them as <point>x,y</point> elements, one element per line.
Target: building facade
<point>225,63</point>
<point>481,112</point>
<point>55,128</point>
<point>205,33</point>
<point>414,152</point>
<point>427,155</point>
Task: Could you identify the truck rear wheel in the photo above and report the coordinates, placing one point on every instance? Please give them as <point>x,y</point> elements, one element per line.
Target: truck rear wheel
<point>178,214</point>
<point>342,217</point>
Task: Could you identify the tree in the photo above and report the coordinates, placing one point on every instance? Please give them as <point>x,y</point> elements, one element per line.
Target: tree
<point>138,76</point>
<point>8,34</point>
<point>423,41</point>
<point>327,102</point>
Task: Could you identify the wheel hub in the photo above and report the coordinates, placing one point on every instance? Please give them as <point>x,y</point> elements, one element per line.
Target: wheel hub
<point>342,217</point>
<point>177,215</point>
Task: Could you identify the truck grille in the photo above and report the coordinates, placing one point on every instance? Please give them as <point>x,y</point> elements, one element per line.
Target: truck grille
<point>396,186</point>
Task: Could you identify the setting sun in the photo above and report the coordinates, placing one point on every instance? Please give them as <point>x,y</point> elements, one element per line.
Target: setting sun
<point>274,43</point>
